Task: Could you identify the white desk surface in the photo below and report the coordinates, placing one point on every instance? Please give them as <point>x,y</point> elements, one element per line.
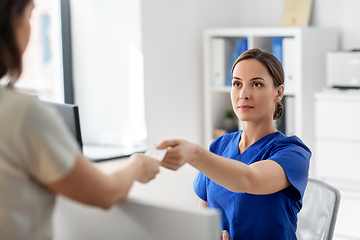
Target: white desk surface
<point>160,209</point>
<point>174,187</point>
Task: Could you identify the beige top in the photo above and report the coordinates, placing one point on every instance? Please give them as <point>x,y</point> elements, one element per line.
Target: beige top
<point>35,149</point>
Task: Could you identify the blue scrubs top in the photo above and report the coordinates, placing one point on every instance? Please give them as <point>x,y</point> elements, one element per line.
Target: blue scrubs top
<point>249,216</point>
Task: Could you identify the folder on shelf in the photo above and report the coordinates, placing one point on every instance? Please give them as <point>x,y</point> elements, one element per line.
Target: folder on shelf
<point>239,47</point>
<point>277,48</point>
<point>220,52</point>
<point>288,45</point>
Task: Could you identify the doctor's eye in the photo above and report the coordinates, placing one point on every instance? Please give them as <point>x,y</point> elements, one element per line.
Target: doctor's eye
<point>236,84</point>
<point>256,84</point>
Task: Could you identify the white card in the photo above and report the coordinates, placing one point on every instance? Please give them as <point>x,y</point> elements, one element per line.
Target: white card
<point>158,154</point>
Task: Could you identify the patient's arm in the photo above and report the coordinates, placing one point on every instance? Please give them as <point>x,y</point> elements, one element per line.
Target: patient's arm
<point>86,184</point>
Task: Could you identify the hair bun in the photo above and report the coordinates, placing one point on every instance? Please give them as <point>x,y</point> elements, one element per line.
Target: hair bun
<point>279,110</point>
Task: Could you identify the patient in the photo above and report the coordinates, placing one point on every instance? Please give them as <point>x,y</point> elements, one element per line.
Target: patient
<point>38,156</point>
<point>257,176</point>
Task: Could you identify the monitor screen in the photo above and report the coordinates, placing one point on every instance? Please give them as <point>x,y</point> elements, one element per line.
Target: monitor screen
<point>70,115</point>
<point>95,153</point>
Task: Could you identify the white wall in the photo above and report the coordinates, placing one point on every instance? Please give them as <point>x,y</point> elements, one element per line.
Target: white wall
<point>340,14</point>
<point>343,15</point>
<point>173,52</point>
<point>261,13</point>
<point>172,47</point>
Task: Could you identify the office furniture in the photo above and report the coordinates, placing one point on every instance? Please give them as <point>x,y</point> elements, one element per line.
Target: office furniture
<point>336,154</point>
<point>147,214</point>
<point>134,219</point>
<point>305,63</point>
<point>317,218</point>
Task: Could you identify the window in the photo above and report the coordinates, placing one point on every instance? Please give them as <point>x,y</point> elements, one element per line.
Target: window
<point>43,69</point>
<point>96,65</point>
<point>108,71</point>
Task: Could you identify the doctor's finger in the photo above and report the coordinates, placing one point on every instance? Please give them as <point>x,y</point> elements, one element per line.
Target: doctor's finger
<point>168,143</point>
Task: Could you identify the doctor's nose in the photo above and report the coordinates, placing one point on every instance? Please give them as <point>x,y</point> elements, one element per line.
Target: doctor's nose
<point>244,93</point>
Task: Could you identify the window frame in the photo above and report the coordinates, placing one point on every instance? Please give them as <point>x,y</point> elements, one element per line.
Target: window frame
<point>67,51</point>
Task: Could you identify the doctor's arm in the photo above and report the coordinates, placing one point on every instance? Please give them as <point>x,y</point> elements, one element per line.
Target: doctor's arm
<point>202,203</point>
<point>264,177</point>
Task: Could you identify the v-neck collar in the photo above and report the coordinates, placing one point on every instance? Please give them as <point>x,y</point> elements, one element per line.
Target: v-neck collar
<point>263,139</point>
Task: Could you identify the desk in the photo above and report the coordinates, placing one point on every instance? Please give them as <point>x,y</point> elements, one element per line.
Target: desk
<point>157,210</point>
<point>173,187</point>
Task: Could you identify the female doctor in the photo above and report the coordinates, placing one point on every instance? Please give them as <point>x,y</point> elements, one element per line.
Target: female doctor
<point>38,156</point>
<point>257,176</point>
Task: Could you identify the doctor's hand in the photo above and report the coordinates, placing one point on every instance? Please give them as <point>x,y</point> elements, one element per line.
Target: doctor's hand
<point>225,235</point>
<point>179,152</point>
<point>147,168</point>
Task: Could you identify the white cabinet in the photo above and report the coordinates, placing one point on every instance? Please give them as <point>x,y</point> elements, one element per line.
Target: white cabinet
<point>337,154</point>
<point>305,57</point>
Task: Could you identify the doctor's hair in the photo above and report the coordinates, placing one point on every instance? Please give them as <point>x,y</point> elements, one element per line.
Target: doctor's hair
<point>274,67</point>
<point>10,56</point>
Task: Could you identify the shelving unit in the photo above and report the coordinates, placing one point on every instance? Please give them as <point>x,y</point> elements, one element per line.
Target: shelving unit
<point>308,58</point>
<point>336,150</point>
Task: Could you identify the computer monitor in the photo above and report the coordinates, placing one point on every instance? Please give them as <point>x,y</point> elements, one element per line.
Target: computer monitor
<point>134,219</point>
<point>70,115</point>
<point>93,152</point>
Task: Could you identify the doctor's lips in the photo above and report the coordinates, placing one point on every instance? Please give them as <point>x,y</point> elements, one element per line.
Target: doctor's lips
<point>245,107</point>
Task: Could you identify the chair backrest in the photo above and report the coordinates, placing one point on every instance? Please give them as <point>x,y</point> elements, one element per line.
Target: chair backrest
<point>317,218</point>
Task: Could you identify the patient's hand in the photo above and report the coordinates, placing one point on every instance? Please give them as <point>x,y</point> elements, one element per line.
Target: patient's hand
<point>225,235</point>
<point>147,167</point>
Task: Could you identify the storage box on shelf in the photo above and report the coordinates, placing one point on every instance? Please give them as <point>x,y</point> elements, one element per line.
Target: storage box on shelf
<point>303,55</point>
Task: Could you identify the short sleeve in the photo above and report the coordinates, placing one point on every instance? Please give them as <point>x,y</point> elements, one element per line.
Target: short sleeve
<point>294,157</point>
<point>217,145</point>
<point>48,147</point>
<point>199,185</point>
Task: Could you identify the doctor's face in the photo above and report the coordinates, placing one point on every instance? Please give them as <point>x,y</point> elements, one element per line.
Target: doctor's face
<point>253,94</point>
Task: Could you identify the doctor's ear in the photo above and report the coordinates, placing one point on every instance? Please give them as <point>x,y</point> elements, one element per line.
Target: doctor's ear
<point>280,93</point>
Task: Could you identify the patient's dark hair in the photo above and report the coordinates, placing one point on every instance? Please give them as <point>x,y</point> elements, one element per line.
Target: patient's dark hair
<point>274,67</point>
<point>10,56</point>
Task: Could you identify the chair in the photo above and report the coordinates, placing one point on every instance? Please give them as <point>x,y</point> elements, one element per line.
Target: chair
<point>317,218</point>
